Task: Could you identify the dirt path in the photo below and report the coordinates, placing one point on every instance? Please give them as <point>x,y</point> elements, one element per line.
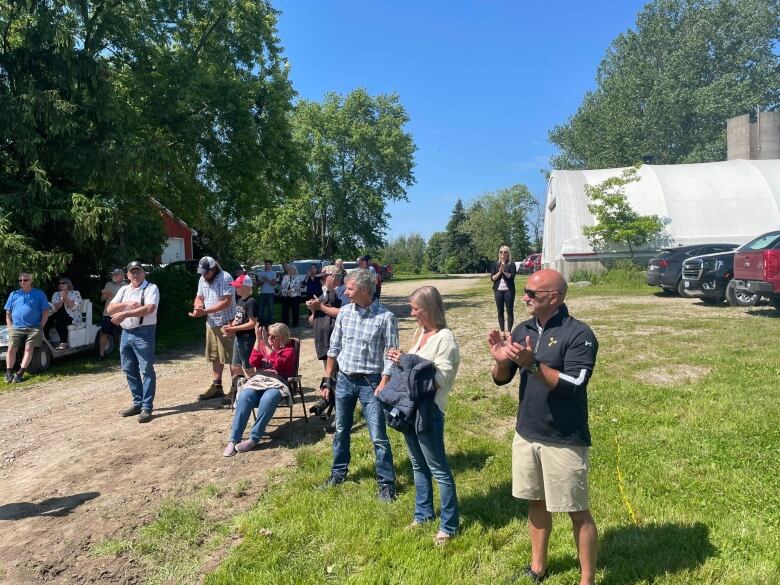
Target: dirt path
<point>73,473</point>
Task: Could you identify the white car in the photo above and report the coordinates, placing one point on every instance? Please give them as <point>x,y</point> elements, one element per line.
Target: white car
<point>81,337</point>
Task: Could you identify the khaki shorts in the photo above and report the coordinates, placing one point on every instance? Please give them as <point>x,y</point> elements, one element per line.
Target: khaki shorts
<point>30,336</point>
<point>557,474</point>
<point>219,347</point>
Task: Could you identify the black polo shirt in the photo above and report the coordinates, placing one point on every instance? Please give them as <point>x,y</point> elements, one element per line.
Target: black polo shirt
<point>559,415</point>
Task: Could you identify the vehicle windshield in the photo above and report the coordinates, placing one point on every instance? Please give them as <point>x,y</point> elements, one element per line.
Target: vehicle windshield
<point>763,242</point>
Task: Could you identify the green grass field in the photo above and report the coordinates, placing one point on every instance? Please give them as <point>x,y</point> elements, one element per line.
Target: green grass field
<point>685,469</point>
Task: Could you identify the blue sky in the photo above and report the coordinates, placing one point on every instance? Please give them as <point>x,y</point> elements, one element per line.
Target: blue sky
<point>483,81</point>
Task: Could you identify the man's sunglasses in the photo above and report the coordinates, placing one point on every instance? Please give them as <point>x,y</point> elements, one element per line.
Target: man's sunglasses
<point>531,294</point>
<point>24,280</point>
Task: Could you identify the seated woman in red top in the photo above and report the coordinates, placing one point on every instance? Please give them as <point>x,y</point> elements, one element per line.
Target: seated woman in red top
<point>274,357</point>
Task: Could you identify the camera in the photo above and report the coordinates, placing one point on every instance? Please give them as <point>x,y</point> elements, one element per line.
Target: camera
<point>324,406</point>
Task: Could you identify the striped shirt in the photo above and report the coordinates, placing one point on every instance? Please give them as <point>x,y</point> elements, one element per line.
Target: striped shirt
<point>361,338</point>
<point>213,292</point>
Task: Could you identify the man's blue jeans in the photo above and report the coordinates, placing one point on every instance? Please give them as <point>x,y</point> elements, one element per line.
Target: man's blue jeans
<point>136,349</point>
<point>265,401</point>
<point>348,392</point>
<point>266,309</point>
<point>426,452</point>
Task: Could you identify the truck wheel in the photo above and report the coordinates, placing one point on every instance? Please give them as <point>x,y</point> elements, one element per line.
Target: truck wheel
<point>775,300</point>
<point>737,298</point>
<point>681,290</point>
<point>41,360</point>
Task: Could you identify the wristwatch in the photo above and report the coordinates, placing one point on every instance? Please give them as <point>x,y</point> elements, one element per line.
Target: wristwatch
<point>533,368</point>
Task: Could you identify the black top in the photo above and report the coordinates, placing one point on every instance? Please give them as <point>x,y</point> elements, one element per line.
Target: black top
<point>245,308</point>
<point>559,415</point>
<point>511,268</point>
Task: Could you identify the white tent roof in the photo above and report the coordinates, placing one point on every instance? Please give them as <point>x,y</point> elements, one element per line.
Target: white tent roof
<point>731,201</point>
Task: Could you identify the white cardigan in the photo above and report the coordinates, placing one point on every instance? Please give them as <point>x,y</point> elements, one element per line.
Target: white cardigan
<point>442,349</point>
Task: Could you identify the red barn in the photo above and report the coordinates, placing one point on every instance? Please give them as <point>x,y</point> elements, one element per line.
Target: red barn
<point>178,246</point>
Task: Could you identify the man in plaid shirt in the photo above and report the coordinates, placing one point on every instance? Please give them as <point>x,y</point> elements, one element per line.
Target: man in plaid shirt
<point>216,299</point>
<point>364,332</point>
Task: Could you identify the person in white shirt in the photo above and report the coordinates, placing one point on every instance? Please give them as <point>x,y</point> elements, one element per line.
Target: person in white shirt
<point>134,309</point>
<point>435,342</point>
<point>67,310</point>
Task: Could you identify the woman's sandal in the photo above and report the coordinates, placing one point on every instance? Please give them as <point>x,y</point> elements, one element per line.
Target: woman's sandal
<point>441,538</point>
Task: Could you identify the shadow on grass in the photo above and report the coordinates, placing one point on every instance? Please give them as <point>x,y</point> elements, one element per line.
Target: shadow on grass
<point>61,506</point>
<point>493,508</point>
<point>767,313</point>
<point>641,554</point>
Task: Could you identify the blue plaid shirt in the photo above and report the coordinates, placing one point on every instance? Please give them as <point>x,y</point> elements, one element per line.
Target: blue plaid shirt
<point>361,338</point>
<point>213,292</point>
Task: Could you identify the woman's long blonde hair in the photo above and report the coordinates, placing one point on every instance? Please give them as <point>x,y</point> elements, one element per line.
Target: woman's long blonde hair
<point>501,249</point>
<point>428,298</point>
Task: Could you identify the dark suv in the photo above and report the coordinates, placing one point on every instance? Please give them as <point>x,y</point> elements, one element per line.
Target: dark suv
<point>665,270</point>
<point>711,277</point>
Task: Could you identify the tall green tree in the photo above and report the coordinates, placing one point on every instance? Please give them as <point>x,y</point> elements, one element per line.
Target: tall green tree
<point>358,158</point>
<point>618,227</point>
<point>667,88</point>
<point>462,255</point>
<point>436,252</point>
<point>501,218</point>
<point>106,104</point>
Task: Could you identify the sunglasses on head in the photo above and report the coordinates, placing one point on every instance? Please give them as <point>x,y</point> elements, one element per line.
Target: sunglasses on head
<point>531,294</point>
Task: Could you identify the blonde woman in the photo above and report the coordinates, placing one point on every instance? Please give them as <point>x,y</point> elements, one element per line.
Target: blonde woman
<point>503,276</point>
<point>67,309</point>
<point>274,357</point>
<point>435,342</point>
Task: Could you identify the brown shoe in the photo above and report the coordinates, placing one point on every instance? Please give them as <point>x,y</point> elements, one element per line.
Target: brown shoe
<point>214,391</point>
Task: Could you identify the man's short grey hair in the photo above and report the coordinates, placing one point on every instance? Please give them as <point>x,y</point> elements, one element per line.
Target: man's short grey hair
<point>363,279</point>
<point>25,274</point>
<point>336,277</point>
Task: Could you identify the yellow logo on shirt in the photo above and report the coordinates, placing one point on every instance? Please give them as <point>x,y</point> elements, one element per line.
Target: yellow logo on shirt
<point>552,342</point>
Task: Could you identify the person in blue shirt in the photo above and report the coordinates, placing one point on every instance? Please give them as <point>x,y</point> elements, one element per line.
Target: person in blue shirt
<point>26,312</point>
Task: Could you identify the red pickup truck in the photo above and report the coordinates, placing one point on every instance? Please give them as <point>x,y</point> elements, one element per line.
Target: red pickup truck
<point>757,267</point>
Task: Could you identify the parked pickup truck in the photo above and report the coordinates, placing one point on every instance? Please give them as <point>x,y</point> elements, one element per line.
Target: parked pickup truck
<point>757,267</point>
<point>710,277</point>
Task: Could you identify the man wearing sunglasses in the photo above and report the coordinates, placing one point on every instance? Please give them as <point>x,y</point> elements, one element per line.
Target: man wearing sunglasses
<point>555,354</point>
<point>26,312</point>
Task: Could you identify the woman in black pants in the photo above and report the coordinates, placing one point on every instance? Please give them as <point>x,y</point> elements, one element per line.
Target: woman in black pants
<point>503,276</point>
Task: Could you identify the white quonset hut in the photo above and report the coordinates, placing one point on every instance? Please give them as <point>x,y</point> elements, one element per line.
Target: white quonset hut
<point>731,201</point>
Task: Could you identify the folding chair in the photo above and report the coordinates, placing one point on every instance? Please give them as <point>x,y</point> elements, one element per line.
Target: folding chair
<point>294,382</point>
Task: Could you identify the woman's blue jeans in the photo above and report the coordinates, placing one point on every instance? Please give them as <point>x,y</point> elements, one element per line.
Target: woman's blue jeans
<point>265,401</point>
<point>426,452</point>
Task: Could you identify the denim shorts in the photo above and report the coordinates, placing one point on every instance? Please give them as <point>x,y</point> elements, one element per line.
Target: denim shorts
<point>242,349</point>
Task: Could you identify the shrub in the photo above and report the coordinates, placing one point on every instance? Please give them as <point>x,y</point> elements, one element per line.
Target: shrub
<point>177,290</point>
<point>622,274</point>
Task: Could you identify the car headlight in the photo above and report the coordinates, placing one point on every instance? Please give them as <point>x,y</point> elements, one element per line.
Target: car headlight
<point>718,264</point>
